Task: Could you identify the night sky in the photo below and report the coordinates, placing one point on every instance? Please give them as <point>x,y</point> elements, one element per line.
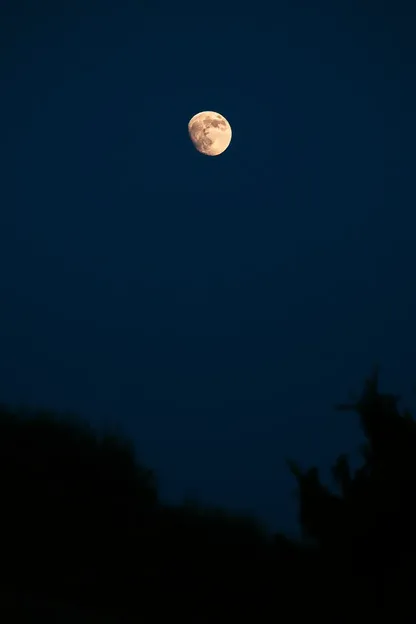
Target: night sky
<point>213,308</point>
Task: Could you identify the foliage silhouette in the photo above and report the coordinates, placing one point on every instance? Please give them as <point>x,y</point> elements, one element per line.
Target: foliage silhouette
<point>365,533</point>
<point>63,491</point>
<point>85,536</point>
<point>82,526</point>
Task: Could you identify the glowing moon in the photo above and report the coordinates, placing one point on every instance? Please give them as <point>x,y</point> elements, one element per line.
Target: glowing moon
<point>210,133</point>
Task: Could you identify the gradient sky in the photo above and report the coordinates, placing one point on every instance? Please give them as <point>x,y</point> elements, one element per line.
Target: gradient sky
<point>212,308</point>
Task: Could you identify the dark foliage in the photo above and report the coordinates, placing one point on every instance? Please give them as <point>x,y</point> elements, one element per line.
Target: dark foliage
<point>364,534</point>
<point>85,538</point>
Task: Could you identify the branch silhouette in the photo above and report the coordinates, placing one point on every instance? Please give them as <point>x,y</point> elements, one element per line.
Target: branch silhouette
<point>86,537</point>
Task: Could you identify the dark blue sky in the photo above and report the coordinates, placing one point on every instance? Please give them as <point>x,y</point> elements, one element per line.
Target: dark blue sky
<point>212,308</point>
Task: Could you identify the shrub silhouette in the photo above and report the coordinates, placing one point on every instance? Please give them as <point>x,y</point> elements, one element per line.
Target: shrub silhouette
<point>365,533</point>
<point>83,526</point>
<point>85,536</point>
<point>72,505</point>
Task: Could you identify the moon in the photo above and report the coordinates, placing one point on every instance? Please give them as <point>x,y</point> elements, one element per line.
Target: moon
<point>210,133</point>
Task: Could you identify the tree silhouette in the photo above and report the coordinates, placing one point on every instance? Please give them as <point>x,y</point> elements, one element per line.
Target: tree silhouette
<point>85,536</point>
<point>72,504</point>
<point>365,532</point>
<point>83,527</point>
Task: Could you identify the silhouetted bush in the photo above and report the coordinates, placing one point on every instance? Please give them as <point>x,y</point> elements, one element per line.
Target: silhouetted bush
<point>85,537</point>
<point>83,526</point>
<point>365,533</point>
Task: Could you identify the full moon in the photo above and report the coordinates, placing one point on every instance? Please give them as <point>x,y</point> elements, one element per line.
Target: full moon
<point>210,133</point>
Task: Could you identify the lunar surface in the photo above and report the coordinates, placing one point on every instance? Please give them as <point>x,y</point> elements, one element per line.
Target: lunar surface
<point>210,133</point>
